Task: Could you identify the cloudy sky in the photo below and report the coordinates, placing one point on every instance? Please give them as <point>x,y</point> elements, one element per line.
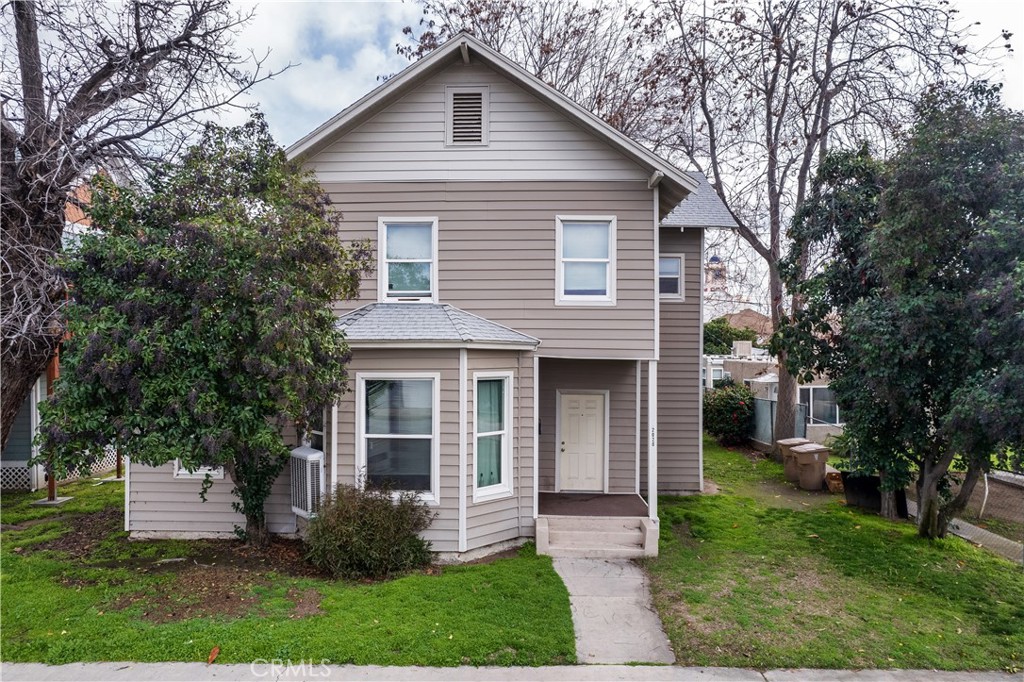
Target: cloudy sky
<point>341,48</point>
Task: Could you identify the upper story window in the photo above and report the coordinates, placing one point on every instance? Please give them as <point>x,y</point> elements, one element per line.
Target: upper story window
<point>586,260</point>
<point>407,269</point>
<point>466,115</point>
<point>670,276</point>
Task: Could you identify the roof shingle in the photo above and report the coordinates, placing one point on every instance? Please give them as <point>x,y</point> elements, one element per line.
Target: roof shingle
<point>702,208</point>
<point>426,323</point>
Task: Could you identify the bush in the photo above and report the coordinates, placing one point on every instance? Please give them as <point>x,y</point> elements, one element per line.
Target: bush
<point>729,413</point>
<point>368,533</point>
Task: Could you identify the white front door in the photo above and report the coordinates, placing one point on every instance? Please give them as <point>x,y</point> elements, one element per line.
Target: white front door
<point>582,441</point>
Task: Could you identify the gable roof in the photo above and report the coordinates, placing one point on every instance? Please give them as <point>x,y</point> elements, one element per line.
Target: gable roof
<point>416,324</point>
<point>673,183</point>
<point>702,208</point>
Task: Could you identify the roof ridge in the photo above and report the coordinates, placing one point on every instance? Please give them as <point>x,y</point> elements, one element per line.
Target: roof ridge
<point>457,325</point>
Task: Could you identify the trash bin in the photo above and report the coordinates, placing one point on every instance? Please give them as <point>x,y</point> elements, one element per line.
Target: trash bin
<point>810,460</point>
<point>786,446</point>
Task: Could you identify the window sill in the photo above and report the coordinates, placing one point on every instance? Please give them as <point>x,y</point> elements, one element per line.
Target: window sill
<point>585,303</point>
<point>490,495</point>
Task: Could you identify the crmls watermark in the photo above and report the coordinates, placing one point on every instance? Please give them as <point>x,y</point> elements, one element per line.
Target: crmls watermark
<point>282,669</point>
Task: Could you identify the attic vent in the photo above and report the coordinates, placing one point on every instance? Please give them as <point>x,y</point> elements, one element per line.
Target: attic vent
<point>467,115</point>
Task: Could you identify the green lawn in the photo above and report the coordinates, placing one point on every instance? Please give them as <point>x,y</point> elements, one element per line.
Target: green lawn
<point>114,603</point>
<point>761,575</point>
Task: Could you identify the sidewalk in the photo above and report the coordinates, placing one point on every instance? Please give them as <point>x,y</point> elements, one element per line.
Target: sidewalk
<point>200,672</point>
<point>1004,547</point>
<point>612,614</point>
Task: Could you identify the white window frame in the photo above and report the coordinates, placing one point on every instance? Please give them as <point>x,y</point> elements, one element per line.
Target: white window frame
<point>608,299</point>
<point>719,371</point>
<point>433,496</point>
<point>382,269</point>
<point>681,296</point>
<point>485,109</point>
<point>215,473</point>
<point>322,432</point>
<point>809,417</point>
<point>504,488</point>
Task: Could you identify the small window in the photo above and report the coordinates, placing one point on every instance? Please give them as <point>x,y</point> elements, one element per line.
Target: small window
<point>467,115</point>
<point>586,260</point>
<point>670,276</point>
<point>492,463</point>
<point>398,425</point>
<point>199,473</point>
<point>821,405</point>
<point>717,373</point>
<point>408,262</point>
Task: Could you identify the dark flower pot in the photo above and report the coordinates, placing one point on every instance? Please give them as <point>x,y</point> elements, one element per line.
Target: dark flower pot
<point>864,492</point>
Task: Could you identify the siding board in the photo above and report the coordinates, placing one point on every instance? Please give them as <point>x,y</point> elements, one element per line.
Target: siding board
<point>405,140</point>
<point>496,255</point>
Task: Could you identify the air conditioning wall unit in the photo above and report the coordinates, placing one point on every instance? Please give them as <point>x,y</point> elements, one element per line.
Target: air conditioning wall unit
<point>307,471</point>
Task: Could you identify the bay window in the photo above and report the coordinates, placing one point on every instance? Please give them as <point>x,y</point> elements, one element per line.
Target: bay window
<point>492,463</point>
<point>398,423</point>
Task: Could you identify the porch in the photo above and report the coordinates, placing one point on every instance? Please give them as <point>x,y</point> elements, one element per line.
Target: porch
<point>594,431</point>
<point>595,525</point>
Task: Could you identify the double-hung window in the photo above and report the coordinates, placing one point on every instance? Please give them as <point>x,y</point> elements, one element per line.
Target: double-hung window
<point>408,259</point>
<point>315,431</point>
<point>398,424</point>
<point>492,463</point>
<point>586,260</point>
<point>821,405</point>
<point>670,276</point>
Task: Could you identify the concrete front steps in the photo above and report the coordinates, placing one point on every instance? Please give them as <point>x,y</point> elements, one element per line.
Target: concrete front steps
<point>597,537</point>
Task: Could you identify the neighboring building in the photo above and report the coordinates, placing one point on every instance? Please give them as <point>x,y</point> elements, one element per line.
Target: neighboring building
<point>756,369</point>
<point>751,320</point>
<point>528,350</point>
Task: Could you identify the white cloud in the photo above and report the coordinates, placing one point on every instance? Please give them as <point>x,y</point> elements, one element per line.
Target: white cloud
<point>339,50</point>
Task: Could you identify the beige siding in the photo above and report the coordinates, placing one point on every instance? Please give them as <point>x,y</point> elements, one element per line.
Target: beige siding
<point>444,531</point>
<point>678,375</point>
<point>511,517</point>
<point>496,255</point>
<point>617,377</point>
<point>160,503</point>
<point>528,140</point>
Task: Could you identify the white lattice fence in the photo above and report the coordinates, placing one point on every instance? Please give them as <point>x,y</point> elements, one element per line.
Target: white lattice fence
<point>15,476</point>
<point>105,463</point>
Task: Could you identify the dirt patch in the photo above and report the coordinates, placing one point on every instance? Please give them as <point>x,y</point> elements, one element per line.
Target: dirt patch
<point>198,592</point>
<point>86,532</point>
<point>307,602</point>
<point>710,487</point>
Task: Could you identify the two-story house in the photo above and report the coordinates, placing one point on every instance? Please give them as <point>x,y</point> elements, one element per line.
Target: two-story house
<point>527,354</point>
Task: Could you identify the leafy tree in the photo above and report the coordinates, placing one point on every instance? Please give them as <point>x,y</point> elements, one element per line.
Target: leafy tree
<point>90,87</point>
<point>201,317</point>
<point>719,335</point>
<point>917,318</point>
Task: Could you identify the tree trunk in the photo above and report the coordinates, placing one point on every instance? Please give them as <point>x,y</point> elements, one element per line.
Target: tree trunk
<point>785,408</point>
<point>928,501</point>
<point>888,510</point>
<point>20,372</point>
<point>256,532</point>
<point>950,511</point>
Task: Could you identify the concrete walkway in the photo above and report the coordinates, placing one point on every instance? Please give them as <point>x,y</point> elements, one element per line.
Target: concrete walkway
<point>200,672</point>
<point>612,613</point>
<point>1004,547</point>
